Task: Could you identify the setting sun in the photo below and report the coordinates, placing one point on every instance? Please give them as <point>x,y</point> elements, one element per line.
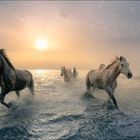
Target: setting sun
<point>41,44</point>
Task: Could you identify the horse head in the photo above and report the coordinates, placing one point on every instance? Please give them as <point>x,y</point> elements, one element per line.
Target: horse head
<point>6,68</point>
<point>124,67</point>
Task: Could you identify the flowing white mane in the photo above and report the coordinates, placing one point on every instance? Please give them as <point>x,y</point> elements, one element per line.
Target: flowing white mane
<point>117,59</point>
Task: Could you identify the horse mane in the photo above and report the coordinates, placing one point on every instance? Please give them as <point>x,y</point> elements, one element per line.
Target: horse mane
<point>113,62</point>
<point>3,53</point>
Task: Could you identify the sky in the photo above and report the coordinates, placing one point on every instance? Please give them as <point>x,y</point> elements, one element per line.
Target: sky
<point>79,33</point>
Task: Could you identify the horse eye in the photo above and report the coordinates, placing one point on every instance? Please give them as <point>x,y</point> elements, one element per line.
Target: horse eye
<point>122,65</point>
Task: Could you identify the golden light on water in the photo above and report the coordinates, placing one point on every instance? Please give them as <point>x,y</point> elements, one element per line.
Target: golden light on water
<point>41,44</point>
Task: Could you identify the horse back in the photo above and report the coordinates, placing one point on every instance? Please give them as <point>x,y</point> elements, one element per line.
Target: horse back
<point>23,74</point>
<point>23,78</point>
<point>69,72</point>
<point>91,74</point>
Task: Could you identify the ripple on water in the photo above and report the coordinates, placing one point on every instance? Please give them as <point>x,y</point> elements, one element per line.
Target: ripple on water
<point>14,132</point>
<point>61,111</point>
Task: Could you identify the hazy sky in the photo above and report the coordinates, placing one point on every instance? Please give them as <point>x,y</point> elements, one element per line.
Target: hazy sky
<point>79,33</point>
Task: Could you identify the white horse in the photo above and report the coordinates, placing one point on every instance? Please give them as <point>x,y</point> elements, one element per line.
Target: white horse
<point>106,77</point>
<point>75,72</point>
<point>66,73</point>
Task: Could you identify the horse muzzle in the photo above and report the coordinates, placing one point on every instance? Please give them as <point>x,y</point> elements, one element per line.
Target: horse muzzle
<point>129,75</point>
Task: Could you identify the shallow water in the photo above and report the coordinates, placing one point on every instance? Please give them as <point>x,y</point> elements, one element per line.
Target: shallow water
<point>60,110</point>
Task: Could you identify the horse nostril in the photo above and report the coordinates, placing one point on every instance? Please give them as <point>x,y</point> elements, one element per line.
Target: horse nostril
<point>129,75</point>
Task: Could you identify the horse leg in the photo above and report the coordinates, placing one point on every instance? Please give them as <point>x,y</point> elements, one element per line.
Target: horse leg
<point>110,93</point>
<point>108,102</point>
<point>89,89</point>
<point>31,87</point>
<point>8,105</point>
<point>2,96</point>
<point>17,93</point>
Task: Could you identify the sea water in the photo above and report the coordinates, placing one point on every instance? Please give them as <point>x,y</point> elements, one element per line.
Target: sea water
<point>60,110</point>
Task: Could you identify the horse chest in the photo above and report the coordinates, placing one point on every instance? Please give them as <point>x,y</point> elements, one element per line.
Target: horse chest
<point>101,81</point>
<point>98,83</point>
<point>6,83</point>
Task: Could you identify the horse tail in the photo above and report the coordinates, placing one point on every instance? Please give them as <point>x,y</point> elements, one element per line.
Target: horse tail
<point>31,83</point>
<point>75,73</point>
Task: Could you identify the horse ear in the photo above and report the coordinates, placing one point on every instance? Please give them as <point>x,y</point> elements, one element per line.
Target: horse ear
<point>121,58</point>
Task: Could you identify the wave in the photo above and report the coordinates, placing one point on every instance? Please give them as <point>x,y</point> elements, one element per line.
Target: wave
<point>62,118</point>
<point>15,132</point>
<point>62,111</point>
<point>107,127</point>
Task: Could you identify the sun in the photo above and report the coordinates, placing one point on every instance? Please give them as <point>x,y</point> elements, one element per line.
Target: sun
<point>41,44</point>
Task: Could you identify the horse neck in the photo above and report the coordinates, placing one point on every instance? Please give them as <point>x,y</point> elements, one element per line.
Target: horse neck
<point>74,71</point>
<point>6,69</point>
<point>64,71</point>
<point>115,73</point>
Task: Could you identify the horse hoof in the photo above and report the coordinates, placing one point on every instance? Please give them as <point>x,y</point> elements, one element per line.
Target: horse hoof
<point>118,109</point>
<point>108,105</point>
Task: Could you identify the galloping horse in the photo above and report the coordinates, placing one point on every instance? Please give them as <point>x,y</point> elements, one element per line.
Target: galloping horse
<point>12,79</point>
<point>67,73</point>
<point>106,77</point>
<point>75,73</point>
